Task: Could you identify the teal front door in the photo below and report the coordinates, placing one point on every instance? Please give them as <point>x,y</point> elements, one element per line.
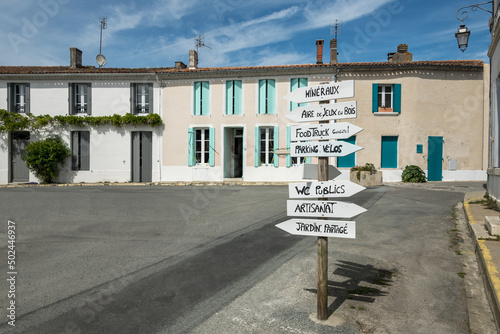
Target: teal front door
<point>435,159</point>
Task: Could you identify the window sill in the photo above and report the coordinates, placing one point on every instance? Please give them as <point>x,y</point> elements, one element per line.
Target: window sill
<point>386,113</point>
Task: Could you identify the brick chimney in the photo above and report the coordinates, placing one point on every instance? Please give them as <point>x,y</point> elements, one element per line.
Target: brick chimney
<point>401,56</point>
<point>333,51</point>
<point>75,57</point>
<point>319,51</point>
<point>193,59</point>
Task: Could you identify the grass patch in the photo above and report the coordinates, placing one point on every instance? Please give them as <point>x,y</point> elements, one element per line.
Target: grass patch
<point>461,274</point>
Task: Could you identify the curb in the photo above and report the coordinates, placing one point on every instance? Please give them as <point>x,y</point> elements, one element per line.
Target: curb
<point>484,259</point>
<point>174,183</point>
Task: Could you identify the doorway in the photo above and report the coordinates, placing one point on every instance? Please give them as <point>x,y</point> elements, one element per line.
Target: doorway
<point>233,153</point>
<point>435,159</point>
<point>142,156</point>
<point>18,170</point>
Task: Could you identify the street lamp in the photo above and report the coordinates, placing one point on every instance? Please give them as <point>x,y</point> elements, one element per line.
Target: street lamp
<point>463,33</point>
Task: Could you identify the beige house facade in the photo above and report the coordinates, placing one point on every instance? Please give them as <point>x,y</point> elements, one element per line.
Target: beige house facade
<point>230,123</point>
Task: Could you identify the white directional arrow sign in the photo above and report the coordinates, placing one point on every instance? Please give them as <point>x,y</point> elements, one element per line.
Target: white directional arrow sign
<point>310,172</point>
<point>323,189</point>
<point>319,228</point>
<point>322,149</point>
<point>324,131</point>
<point>324,112</point>
<point>322,209</point>
<point>333,90</point>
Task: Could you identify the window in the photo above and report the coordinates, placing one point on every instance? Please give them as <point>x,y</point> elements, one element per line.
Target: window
<point>201,149</point>
<point>266,96</point>
<point>80,152</point>
<point>386,97</point>
<point>233,97</point>
<point>19,97</point>
<point>141,97</point>
<point>201,98</point>
<point>294,84</point>
<point>266,143</point>
<point>80,98</point>
<point>349,160</point>
<point>389,154</point>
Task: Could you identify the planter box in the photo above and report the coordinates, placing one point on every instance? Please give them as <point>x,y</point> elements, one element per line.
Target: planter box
<point>367,179</point>
<point>380,109</point>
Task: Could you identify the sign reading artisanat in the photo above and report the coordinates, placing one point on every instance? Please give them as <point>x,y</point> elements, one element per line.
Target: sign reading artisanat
<point>336,209</point>
<point>324,131</point>
<point>333,90</point>
<point>319,228</point>
<point>324,112</point>
<point>322,149</point>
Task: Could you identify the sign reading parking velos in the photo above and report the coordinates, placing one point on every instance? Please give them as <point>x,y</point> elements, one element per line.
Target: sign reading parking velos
<point>323,131</point>
<point>323,189</point>
<point>332,148</point>
<point>333,90</point>
<point>324,112</point>
<point>333,209</point>
<point>319,228</point>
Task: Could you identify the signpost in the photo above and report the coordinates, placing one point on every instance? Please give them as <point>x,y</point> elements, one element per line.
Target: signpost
<point>323,131</point>
<point>310,172</point>
<point>319,228</point>
<point>324,112</point>
<point>322,189</point>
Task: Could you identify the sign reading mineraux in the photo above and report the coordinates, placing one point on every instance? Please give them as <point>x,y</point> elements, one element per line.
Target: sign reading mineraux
<point>333,90</point>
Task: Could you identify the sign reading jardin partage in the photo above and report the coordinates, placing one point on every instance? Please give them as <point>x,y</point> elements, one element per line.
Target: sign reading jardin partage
<point>323,149</point>
<point>333,90</point>
<point>319,228</point>
<point>324,112</point>
<point>323,131</point>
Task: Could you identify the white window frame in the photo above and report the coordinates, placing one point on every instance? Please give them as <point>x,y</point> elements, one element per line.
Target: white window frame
<point>20,98</point>
<point>202,136</point>
<point>142,98</point>
<point>266,145</point>
<point>382,96</point>
<point>81,98</point>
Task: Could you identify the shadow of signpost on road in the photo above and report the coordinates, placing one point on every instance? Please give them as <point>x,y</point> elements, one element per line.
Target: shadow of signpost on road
<point>363,283</point>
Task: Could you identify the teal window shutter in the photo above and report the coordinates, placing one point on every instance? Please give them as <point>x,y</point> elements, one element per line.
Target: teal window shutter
<point>397,98</point>
<point>191,147</point>
<point>374,97</point>
<point>205,105</point>
<point>288,141</point>
<point>389,152</point>
<point>276,146</point>
<point>262,96</point>
<point>229,97</point>
<point>237,98</point>
<point>294,84</point>
<point>197,98</point>
<point>270,97</point>
<point>308,160</point>
<point>257,147</point>
<point>302,83</point>
<point>211,144</point>
<point>349,160</point>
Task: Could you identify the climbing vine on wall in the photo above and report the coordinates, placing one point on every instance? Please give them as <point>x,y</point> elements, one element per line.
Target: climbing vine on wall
<point>10,121</point>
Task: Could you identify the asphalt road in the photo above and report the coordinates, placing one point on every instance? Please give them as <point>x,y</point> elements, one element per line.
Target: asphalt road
<point>160,259</point>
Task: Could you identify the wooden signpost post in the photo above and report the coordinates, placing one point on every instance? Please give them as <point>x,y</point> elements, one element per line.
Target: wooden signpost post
<point>324,189</point>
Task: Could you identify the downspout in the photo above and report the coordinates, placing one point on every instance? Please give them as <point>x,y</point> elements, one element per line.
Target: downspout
<point>160,111</point>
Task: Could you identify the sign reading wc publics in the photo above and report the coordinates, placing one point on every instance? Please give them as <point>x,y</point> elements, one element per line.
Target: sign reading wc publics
<point>333,90</point>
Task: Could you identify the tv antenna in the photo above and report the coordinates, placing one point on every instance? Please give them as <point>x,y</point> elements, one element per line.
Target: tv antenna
<point>199,43</point>
<point>100,59</point>
<point>336,29</point>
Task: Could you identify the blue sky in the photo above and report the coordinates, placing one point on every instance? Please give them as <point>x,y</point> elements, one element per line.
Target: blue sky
<point>157,33</point>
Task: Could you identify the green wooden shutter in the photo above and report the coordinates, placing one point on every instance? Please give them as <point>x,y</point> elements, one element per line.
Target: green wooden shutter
<point>89,98</point>
<point>288,141</point>
<point>262,96</point>
<point>85,150</point>
<point>270,97</point>
<point>294,84</point>
<point>191,147</point>
<point>205,98</point>
<point>257,147</point>
<point>71,98</point>
<point>349,160</point>
<point>374,97</point>
<point>237,98</point>
<point>302,83</point>
<point>197,98</point>
<point>229,97</point>
<point>211,143</point>
<point>27,99</point>
<point>133,109</point>
<point>276,146</point>
<point>397,98</point>
<point>151,94</point>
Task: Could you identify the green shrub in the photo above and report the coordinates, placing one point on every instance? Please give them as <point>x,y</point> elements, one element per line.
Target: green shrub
<point>368,167</point>
<point>413,174</point>
<point>44,157</point>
